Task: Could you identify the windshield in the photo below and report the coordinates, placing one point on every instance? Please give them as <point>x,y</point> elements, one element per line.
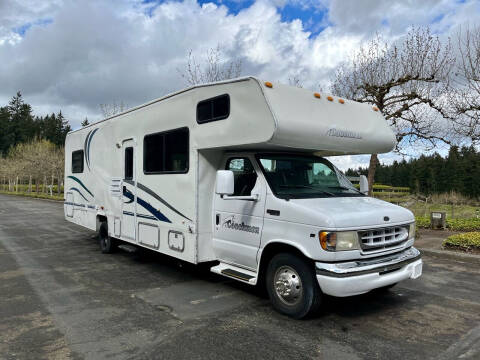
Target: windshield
<point>298,176</point>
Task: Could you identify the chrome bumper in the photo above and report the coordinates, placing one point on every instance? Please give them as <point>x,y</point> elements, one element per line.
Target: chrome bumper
<point>381,265</point>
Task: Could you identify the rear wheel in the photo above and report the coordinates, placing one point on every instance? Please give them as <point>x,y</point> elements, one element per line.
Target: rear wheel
<point>107,244</point>
<point>292,286</point>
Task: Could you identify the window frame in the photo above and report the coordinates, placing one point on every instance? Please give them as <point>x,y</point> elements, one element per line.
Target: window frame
<point>251,163</point>
<point>258,157</point>
<point>163,133</point>
<point>83,161</point>
<point>223,117</point>
<point>125,163</point>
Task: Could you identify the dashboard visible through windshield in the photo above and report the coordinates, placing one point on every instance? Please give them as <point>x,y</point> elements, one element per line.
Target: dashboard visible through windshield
<point>299,176</point>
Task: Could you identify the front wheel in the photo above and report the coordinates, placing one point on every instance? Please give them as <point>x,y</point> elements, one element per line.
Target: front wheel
<point>292,286</point>
<point>107,244</point>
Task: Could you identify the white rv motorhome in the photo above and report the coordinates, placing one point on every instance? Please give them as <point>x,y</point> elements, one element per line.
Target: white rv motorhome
<point>232,173</point>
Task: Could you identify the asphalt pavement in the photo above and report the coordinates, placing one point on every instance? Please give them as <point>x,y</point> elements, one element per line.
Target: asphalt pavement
<point>60,298</point>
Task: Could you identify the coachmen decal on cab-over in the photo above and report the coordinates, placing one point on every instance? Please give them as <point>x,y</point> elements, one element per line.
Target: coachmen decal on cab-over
<point>230,223</point>
<point>343,133</point>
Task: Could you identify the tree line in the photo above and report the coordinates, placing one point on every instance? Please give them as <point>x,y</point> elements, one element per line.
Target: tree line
<point>31,147</point>
<point>458,172</point>
<point>19,125</point>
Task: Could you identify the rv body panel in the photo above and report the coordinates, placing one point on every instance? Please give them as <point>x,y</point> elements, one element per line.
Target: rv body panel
<point>151,172</point>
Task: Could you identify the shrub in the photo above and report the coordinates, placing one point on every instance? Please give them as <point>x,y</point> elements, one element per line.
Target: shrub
<point>472,224</point>
<point>467,241</point>
<point>422,222</point>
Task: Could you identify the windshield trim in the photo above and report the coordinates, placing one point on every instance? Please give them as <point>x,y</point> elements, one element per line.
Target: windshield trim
<point>304,195</point>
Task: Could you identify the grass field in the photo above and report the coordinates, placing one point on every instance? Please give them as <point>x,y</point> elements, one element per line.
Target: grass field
<point>34,195</point>
<point>452,211</point>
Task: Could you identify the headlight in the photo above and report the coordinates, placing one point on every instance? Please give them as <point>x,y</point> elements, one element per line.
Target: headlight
<point>338,241</point>
<point>411,231</point>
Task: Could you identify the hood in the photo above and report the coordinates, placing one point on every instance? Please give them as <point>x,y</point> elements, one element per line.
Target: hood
<point>348,212</point>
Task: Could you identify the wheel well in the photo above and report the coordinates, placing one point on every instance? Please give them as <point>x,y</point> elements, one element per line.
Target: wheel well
<point>100,220</point>
<point>269,252</point>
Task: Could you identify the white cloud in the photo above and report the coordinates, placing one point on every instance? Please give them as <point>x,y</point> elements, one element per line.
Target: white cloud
<point>99,51</point>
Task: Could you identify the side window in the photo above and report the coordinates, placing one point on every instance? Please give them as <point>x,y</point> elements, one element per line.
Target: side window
<point>217,108</point>
<point>244,174</point>
<point>77,161</point>
<point>166,152</point>
<point>129,163</point>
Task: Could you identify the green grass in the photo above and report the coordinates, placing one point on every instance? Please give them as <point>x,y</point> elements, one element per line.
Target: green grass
<point>467,242</point>
<point>34,195</point>
<point>390,193</point>
<point>471,224</point>
<point>457,211</point>
<point>24,188</point>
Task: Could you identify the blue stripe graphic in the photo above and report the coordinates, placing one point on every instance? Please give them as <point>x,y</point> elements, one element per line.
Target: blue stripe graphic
<point>156,197</point>
<point>147,207</point>
<point>78,191</point>
<point>81,184</point>
<point>88,147</point>
<point>85,147</point>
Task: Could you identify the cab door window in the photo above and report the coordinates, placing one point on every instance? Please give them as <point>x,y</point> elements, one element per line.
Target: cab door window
<point>244,175</point>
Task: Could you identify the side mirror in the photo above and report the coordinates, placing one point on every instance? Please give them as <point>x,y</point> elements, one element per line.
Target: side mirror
<point>363,184</point>
<point>225,182</point>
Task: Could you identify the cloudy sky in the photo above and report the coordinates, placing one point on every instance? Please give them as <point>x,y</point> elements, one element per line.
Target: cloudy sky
<point>74,55</point>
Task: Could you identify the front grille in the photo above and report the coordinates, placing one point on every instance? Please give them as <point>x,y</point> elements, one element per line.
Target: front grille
<point>382,239</point>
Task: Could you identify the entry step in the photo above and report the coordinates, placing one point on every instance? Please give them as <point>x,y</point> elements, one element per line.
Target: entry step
<point>128,248</point>
<point>236,273</point>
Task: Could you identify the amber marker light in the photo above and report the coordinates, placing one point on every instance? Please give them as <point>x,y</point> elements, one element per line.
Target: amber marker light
<point>268,84</point>
<point>341,101</point>
<point>375,108</point>
<point>328,240</point>
<point>317,95</point>
<point>329,98</point>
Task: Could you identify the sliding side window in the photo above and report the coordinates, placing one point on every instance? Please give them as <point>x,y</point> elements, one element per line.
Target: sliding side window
<point>77,161</point>
<point>166,152</point>
<point>217,108</point>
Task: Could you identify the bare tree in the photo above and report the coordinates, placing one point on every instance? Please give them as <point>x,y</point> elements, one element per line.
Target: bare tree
<point>405,81</point>
<point>114,108</point>
<point>295,81</point>
<point>466,104</point>
<point>38,160</point>
<point>212,68</point>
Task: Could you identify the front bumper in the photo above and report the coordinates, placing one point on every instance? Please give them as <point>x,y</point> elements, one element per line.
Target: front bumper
<point>360,276</point>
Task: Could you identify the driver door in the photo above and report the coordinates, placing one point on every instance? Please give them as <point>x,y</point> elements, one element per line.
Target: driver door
<point>238,224</point>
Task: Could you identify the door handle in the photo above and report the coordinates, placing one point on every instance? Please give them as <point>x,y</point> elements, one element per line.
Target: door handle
<point>217,219</point>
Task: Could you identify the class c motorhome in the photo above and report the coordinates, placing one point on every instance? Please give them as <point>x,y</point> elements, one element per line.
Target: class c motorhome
<point>233,174</point>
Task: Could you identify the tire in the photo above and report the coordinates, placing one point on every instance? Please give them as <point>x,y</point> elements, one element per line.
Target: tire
<point>292,286</point>
<point>107,244</point>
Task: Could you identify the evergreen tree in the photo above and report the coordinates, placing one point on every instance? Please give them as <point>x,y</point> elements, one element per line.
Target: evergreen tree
<point>459,171</point>
<point>85,122</point>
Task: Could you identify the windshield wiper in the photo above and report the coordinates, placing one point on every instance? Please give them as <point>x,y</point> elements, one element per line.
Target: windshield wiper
<point>297,186</point>
<point>307,187</point>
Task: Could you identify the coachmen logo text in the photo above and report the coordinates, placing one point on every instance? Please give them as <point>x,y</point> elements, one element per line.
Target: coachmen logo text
<point>343,133</point>
<point>230,223</point>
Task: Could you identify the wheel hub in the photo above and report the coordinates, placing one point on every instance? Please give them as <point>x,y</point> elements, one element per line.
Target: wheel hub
<point>288,285</point>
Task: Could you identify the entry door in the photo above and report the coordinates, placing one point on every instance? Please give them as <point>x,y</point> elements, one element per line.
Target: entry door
<point>129,205</point>
<point>238,224</point>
